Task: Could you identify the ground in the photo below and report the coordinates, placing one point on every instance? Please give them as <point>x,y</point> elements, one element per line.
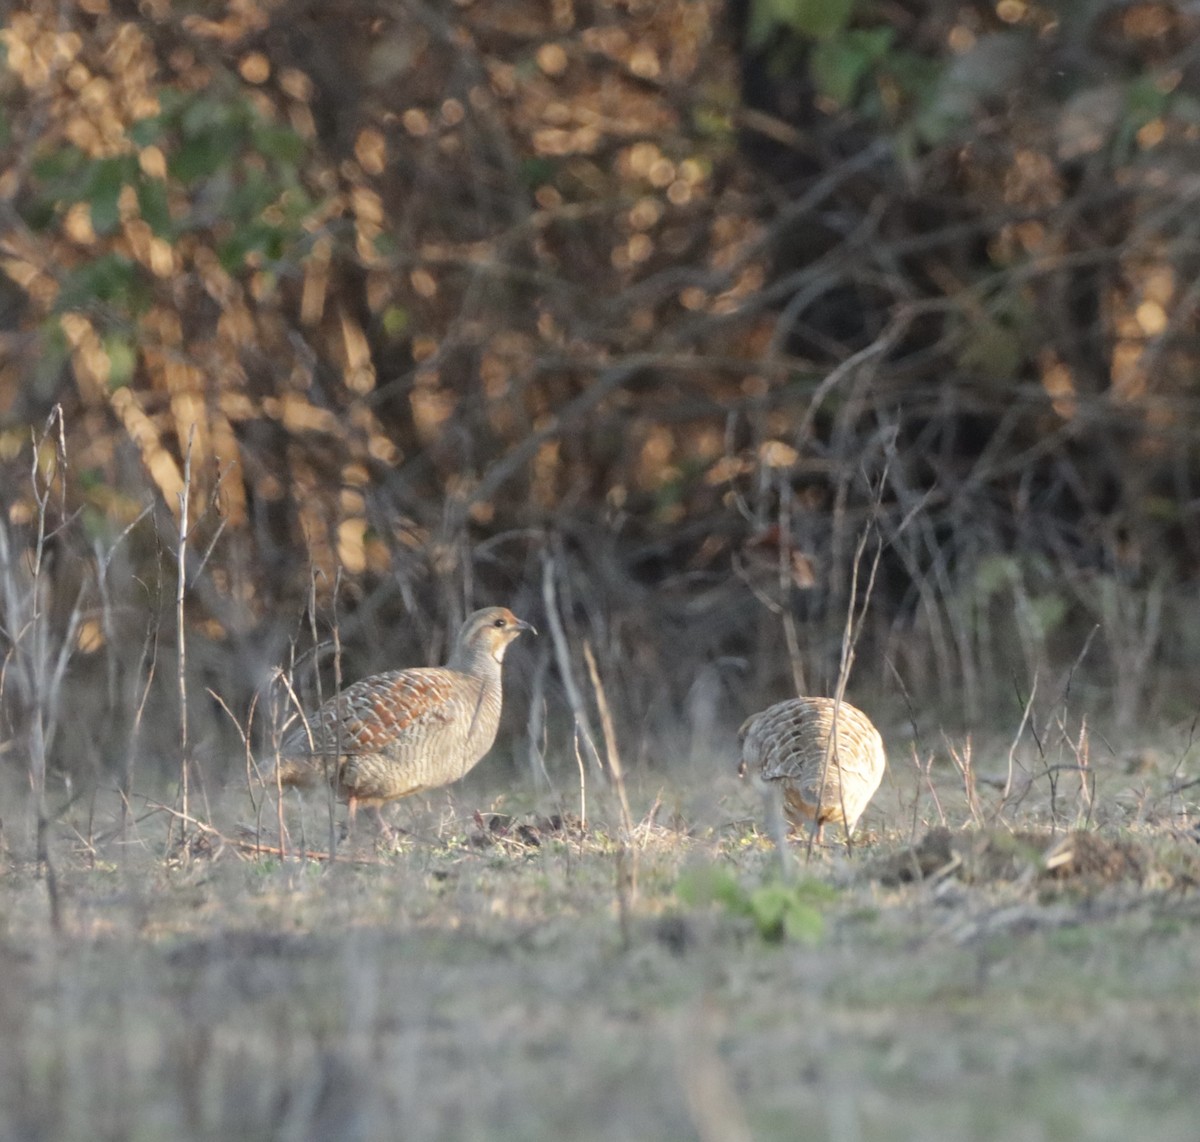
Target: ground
<point>969,970</point>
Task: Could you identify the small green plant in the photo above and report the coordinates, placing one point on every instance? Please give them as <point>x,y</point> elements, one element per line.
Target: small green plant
<point>781,910</point>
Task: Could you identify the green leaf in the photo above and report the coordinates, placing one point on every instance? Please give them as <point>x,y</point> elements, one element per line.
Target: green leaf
<point>279,143</point>
<point>39,213</point>
<point>122,359</point>
<point>203,116</point>
<point>991,348</point>
<point>779,909</point>
<point>172,103</point>
<point>995,574</point>
<point>234,251</point>
<point>818,19</point>
<point>154,207</point>
<point>248,200</point>
<point>917,76</point>
<point>789,911</point>
<point>295,204</point>
<point>1144,100</point>
<point>148,130</point>
<point>536,171</point>
<point>707,884</point>
<point>761,24</point>
<point>713,122</point>
<point>803,923</point>
<point>768,905</point>
<point>52,358</point>
<point>103,189</point>
<point>59,164</point>
<point>395,321</point>
<point>810,19</point>
<point>202,156</point>
<point>838,64</point>
<point>1048,612</point>
<point>109,278</point>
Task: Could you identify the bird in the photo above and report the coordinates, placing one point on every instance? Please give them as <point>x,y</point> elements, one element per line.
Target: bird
<point>401,732</point>
<point>792,753</point>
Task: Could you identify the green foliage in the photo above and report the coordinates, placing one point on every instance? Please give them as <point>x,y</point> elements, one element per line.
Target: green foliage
<point>780,910</point>
<point>103,180</point>
<point>122,359</point>
<point>1041,605</point>
<point>536,171</point>
<point>110,278</point>
<point>839,64</point>
<point>229,171</point>
<point>994,343</point>
<point>154,205</point>
<point>1145,100</point>
<point>233,164</point>
<point>915,79</point>
<point>812,19</point>
<point>52,358</point>
<point>997,575</point>
<point>253,238</point>
<point>395,321</point>
<point>841,59</point>
<point>855,62</point>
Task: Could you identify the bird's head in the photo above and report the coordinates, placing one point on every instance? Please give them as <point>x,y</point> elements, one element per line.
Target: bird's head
<point>748,744</point>
<point>489,632</point>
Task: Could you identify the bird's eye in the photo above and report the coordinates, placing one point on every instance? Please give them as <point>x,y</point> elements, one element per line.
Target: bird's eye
<point>501,623</point>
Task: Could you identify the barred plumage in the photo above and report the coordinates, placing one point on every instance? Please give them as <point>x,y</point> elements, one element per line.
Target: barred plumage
<point>785,748</point>
<point>404,731</point>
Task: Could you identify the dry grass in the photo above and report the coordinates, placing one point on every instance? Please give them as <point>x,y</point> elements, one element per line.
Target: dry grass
<point>1027,982</point>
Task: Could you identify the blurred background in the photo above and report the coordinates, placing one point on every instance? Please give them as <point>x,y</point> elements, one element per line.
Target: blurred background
<point>701,327</point>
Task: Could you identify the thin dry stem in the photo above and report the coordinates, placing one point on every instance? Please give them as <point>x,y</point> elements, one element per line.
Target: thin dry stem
<point>583,730</point>
<point>1012,749</point>
<point>963,759</point>
<point>536,729</point>
<point>613,756</point>
<point>181,640</point>
<point>790,635</point>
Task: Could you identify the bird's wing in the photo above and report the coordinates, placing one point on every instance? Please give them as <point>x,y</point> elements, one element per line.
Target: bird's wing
<point>382,710</point>
<point>795,743</point>
<point>800,737</point>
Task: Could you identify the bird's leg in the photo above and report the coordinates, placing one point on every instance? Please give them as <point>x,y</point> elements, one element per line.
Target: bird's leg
<point>385,830</point>
<point>351,810</point>
<point>777,827</point>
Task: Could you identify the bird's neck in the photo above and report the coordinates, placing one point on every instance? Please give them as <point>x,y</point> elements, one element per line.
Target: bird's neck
<point>476,661</point>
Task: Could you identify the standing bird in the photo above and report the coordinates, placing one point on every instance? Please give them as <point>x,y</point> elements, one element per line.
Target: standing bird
<point>792,749</point>
<point>405,731</point>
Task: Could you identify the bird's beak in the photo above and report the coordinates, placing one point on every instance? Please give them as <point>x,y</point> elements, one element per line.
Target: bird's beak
<point>523,625</point>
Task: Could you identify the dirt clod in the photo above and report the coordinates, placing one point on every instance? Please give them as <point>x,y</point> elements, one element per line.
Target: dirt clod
<point>977,857</point>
